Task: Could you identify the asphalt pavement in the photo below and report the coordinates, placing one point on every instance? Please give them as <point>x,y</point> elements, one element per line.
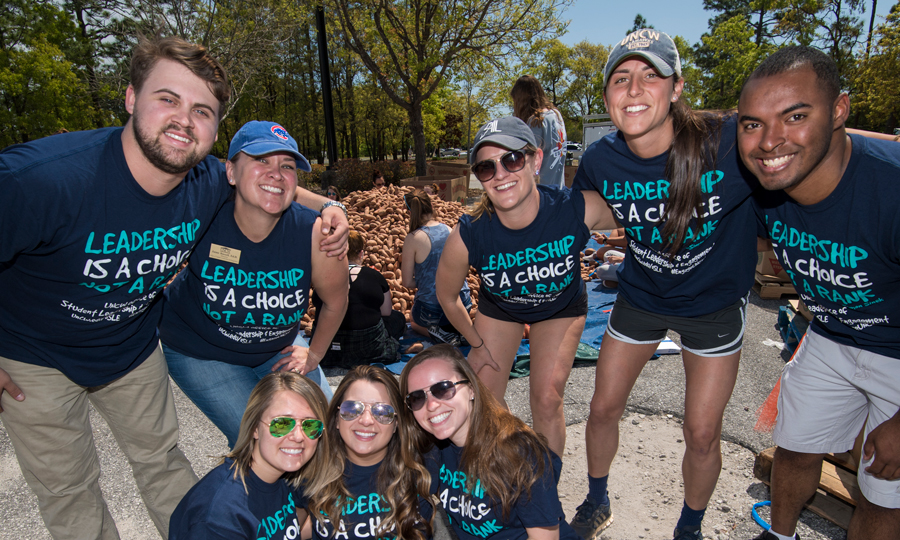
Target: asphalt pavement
<point>659,390</point>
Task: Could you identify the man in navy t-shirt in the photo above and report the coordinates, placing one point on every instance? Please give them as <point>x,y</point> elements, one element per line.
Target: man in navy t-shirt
<point>831,214</point>
<point>92,226</point>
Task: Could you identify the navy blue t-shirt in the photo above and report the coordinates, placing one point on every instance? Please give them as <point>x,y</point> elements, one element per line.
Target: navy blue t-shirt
<point>715,266</point>
<point>363,513</point>
<point>535,271</point>
<point>85,252</point>
<point>475,515</point>
<point>218,507</point>
<point>239,301</point>
<point>843,253</point>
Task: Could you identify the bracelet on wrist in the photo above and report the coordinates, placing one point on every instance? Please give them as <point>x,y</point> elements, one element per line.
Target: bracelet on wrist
<point>480,346</point>
<point>340,205</point>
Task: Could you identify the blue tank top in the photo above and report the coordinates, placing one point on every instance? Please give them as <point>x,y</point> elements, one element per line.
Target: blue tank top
<point>426,270</point>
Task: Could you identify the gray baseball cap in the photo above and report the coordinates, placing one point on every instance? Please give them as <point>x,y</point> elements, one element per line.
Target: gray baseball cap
<point>652,45</point>
<point>508,132</point>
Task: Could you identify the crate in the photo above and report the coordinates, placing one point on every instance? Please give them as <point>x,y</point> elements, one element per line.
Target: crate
<point>450,188</point>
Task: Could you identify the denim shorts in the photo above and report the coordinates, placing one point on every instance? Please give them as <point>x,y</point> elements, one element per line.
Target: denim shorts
<point>425,314</point>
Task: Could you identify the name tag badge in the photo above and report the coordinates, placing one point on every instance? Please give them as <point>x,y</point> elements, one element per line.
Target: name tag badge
<point>223,253</point>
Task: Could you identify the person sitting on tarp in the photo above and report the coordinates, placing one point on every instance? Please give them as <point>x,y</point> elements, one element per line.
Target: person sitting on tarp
<point>371,330</point>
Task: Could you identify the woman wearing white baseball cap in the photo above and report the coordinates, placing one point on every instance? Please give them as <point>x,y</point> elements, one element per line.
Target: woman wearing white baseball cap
<point>233,315</point>
<point>675,182</point>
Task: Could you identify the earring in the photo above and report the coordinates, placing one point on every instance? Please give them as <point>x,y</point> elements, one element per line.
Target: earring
<point>674,99</point>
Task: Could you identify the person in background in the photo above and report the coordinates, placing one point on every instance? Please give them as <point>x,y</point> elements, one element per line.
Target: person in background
<point>371,330</point>
<point>490,471</point>
<point>372,459</point>
<point>532,106</point>
<point>422,250</point>
<point>377,179</point>
<point>219,335</point>
<point>837,193</point>
<point>253,492</point>
<point>333,193</point>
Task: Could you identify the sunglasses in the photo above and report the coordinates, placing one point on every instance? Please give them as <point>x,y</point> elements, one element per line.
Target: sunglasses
<point>443,391</point>
<point>513,161</point>
<point>383,413</point>
<point>282,425</point>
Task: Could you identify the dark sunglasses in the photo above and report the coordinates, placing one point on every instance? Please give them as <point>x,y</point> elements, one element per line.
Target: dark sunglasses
<point>282,425</point>
<point>443,391</point>
<point>383,413</point>
<point>513,161</point>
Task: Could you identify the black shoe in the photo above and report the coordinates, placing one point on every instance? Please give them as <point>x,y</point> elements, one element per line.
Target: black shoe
<point>689,533</point>
<point>591,518</point>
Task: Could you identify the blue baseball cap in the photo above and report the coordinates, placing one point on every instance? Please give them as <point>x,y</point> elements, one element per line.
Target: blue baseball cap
<point>652,45</point>
<point>256,138</point>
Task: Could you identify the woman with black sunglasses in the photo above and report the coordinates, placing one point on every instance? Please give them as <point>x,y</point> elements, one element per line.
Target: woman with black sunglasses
<point>254,489</point>
<point>372,481</point>
<point>525,240</point>
<point>492,473</point>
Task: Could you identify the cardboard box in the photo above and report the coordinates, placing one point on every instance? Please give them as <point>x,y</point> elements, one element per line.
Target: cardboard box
<point>452,168</point>
<point>768,268</point>
<point>450,188</point>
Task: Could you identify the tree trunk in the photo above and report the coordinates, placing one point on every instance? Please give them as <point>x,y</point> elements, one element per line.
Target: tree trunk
<point>417,125</point>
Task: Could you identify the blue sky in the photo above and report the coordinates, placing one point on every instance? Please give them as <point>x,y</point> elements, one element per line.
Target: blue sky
<point>604,22</point>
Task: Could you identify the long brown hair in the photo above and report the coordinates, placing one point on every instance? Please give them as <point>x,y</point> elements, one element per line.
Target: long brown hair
<point>419,204</point>
<point>401,479</point>
<point>694,150</point>
<point>501,451</point>
<point>529,100</point>
<point>261,397</point>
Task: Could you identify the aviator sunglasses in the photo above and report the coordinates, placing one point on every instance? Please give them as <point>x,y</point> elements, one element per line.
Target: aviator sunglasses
<point>442,390</point>
<point>513,161</point>
<point>383,413</point>
<point>282,425</point>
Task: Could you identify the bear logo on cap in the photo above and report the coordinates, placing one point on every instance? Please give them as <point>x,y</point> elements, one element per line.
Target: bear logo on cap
<point>280,132</point>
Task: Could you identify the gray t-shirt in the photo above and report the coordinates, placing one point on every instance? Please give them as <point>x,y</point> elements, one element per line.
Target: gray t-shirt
<point>551,138</point>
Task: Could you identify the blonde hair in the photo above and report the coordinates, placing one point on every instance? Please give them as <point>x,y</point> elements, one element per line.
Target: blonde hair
<point>401,479</point>
<point>261,398</point>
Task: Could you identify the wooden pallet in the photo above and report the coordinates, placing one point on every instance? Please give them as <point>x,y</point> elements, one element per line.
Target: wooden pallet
<point>772,289</point>
<point>838,490</point>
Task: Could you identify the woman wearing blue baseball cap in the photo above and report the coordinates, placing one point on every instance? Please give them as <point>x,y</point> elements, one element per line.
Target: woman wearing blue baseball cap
<point>525,240</point>
<point>233,315</point>
<point>675,182</point>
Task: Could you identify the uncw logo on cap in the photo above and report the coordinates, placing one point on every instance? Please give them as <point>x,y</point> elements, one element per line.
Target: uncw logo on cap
<point>640,39</point>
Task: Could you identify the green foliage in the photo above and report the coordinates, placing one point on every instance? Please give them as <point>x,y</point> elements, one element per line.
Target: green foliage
<point>732,44</point>
<point>877,81</point>
<point>356,175</point>
<point>639,22</point>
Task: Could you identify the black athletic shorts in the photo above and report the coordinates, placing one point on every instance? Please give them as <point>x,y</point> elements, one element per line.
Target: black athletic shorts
<point>717,334</point>
<point>576,308</point>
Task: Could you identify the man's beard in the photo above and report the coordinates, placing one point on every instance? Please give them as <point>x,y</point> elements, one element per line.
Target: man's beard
<point>173,162</point>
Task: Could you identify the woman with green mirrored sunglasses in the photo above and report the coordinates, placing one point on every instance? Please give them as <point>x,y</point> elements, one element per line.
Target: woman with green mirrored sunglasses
<point>280,445</point>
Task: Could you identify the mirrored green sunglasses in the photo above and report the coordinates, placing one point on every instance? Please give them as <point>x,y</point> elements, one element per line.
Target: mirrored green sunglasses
<point>282,425</point>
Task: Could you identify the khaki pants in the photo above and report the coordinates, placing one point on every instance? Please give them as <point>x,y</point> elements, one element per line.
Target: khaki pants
<point>51,433</point>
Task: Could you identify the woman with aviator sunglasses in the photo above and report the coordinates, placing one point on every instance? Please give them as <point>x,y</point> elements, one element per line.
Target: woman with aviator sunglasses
<point>492,473</point>
<point>254,489</point>
<point>370,472</point>
<point>525,240</point>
